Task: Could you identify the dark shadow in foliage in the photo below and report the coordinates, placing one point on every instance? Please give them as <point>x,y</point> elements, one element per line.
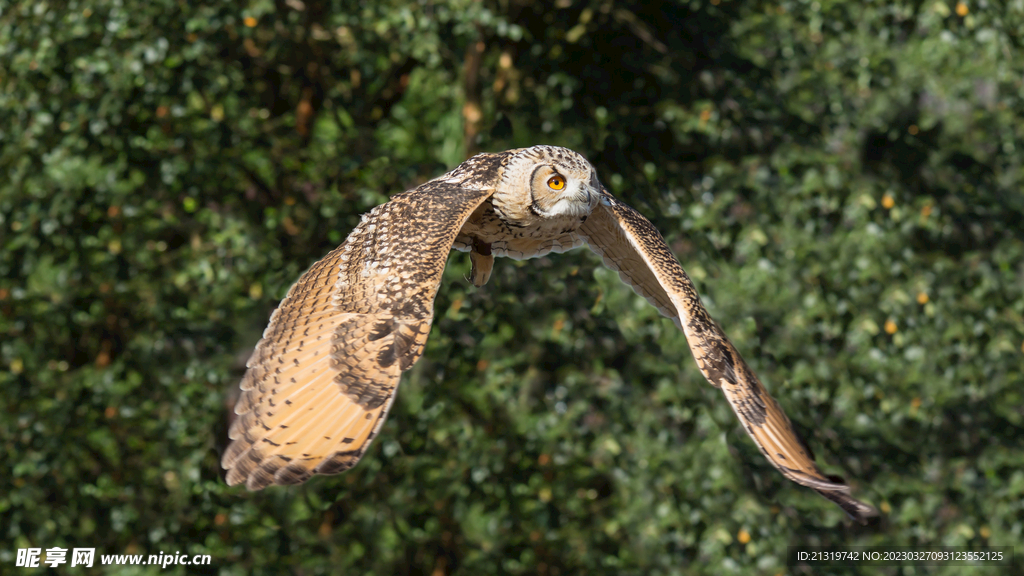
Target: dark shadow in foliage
<point>983,213</point>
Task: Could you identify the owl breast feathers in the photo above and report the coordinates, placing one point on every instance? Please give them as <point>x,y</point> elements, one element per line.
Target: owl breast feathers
<point>321,380</point>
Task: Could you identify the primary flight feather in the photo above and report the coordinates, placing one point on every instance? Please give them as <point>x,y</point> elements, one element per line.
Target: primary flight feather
<point>320,382</point>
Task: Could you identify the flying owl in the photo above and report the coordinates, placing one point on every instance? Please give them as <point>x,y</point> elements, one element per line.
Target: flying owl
<point>320,382</point>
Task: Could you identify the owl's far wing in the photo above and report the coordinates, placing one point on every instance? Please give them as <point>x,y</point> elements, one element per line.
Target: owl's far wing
<point>634,248</point>
<point>320,382</point>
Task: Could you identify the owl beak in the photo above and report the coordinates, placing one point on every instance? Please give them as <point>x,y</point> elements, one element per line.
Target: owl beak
<point>587,191</point>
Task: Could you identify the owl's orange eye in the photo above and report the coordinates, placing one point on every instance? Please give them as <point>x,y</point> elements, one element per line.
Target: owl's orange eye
<point>556,182</point>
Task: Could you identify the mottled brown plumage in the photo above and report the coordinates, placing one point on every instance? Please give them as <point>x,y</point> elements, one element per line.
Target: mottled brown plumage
<point>632,246</point>
<point>320,382</point>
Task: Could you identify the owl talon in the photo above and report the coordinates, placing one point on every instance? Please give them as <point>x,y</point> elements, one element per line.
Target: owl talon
<point>482,266</point>
<point>483,262</point>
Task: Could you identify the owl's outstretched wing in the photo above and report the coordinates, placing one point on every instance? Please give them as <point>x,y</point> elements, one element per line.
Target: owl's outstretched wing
<point>320,382</point>
<point>632,246</point>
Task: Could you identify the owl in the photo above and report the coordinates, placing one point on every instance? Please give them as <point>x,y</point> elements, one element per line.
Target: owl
<point>319,384</point>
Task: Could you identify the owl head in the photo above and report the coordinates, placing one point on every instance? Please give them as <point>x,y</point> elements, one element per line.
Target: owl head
<point>550,182</point>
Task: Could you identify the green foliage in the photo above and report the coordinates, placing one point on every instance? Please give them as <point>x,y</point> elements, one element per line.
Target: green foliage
<point>841,180</point>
